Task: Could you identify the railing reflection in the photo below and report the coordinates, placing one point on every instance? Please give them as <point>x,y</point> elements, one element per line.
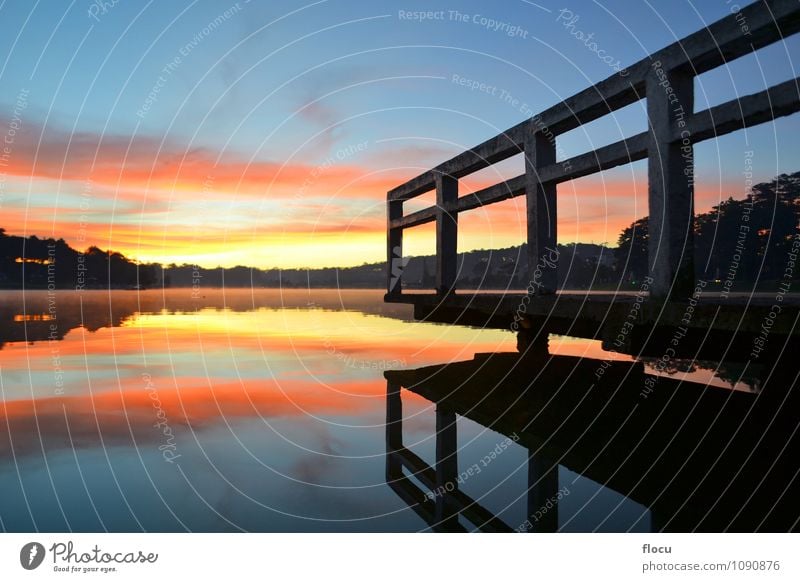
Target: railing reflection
<point>698,457</point>
<point>441,508</point>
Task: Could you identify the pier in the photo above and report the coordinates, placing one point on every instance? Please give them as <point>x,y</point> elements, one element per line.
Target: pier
<point>666,80</point>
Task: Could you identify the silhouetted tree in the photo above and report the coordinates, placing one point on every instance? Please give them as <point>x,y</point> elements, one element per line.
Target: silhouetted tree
<point>737,241</point>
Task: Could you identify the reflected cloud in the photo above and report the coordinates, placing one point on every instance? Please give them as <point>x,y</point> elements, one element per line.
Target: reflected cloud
<point>79,376</point>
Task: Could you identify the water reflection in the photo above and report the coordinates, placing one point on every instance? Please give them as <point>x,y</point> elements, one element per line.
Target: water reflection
<point>266,411</point>
<point>682,456</point>
<point>247,410</point>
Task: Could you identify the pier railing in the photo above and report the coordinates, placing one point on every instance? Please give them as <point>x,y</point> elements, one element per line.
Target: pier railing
<point>666,80</point>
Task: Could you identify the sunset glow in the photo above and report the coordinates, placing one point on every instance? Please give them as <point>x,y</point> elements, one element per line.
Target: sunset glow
<point>244,151</point>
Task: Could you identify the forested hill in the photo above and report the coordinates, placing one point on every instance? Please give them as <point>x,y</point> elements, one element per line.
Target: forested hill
<point>737,241</point>
<point>41,263</point>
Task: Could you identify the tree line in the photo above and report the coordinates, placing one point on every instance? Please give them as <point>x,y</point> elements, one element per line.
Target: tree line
<point>737,243</point>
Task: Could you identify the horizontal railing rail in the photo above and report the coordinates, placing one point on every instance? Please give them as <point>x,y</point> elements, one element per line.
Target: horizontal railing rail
<point>665,79</point>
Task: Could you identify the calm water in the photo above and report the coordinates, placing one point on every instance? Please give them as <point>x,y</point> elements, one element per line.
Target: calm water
<point>242,410</point>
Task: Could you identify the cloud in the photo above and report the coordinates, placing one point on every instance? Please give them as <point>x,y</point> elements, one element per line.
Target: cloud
<point>140,162</point>
<point>161,201</point>
<point>129,416</point>
<point>172,203</point>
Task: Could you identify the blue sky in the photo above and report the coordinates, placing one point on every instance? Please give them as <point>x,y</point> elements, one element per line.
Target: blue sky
<point>291,85</point>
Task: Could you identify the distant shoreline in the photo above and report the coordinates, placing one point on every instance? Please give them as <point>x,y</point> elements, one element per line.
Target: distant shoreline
<point>767,285</point>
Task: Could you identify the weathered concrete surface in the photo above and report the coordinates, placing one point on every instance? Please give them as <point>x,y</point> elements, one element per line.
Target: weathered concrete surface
<point>714,325</point>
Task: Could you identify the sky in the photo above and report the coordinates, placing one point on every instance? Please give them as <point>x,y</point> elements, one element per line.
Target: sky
<point>268,133</point>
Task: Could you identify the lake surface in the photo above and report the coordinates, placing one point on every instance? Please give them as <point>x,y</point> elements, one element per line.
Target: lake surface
<point>250,410</point>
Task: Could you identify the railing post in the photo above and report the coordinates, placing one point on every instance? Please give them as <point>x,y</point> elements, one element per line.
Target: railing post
<point>670,179</point>
<point>542,489</point>
<point>446,468</point>
<point>394,430</point>
<point>541,215</point>
<point>394,417</point>
<point>446,233</point>
<point>394,248</point>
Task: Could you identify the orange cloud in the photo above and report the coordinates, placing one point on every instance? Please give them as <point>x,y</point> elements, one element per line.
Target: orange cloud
<point>131,414</point>
<point>145,163</point>
<point>169,203</point>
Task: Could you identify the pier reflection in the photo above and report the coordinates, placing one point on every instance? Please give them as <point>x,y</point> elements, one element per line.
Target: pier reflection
<point>698,457</point>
